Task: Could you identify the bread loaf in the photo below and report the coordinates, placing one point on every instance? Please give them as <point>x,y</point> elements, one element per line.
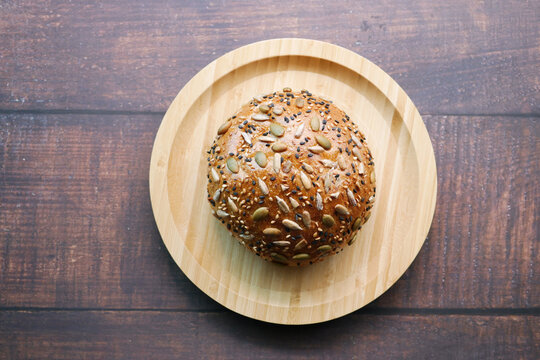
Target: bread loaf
<point>291,177</point>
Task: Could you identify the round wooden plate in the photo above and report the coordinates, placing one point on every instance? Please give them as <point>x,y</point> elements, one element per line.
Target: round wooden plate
<point>224,269</point>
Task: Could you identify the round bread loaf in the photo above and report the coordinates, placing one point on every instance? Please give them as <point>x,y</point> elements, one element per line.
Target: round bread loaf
<point>291,177</point>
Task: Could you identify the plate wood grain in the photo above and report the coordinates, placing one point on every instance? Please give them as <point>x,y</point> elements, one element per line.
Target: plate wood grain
<point>224,269</point>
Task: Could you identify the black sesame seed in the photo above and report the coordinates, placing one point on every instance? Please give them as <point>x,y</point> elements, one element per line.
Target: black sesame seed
<point>310,155</point>
<point>272,178</point>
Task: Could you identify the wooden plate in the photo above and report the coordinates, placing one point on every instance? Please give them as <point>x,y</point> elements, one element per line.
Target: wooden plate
<point>223,269</point>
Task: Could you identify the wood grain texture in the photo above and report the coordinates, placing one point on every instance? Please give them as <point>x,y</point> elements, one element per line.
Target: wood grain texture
<point>453,57</point>
<point>104,252</point>
<point>187,335</point>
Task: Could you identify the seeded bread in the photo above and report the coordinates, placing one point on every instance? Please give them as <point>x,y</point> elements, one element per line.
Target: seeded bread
<point>291,177</point>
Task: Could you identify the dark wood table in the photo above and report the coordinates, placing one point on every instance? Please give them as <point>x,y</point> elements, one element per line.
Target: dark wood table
<point>83,88</point>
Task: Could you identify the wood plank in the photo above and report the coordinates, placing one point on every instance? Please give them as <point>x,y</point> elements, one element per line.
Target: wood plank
<point>77,230</point>
<point>188,335</point>
<point>451,57</point>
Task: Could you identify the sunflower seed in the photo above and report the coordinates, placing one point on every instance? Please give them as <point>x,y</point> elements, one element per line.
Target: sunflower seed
<point>294,203</point>
<point>289,224</point>
<point>318,198</point>
<point>301,257</point>
<point>342,210</point>
<point>221,213</point>
<point>282,243</point>
<point>224,127</point>
<point>282,205</point>
<point>324,248</point>
<point>350,195</point>
<point>327,181</point>
<point>324,142</point>
<point>299,102</point>
<point>214,175</point>
<point>258,98</point>
<point>356,224</point>
<point>284,187</point>
<point>353,239</point>
<point>263,187</point>
<point>335,195</point>
<point>328,221</point>
<point>356,141</point>
<point>264,109</point>
<point>247,237</point>
<point>279,258</point>
<point>341,162</point>
<point>305,180</point>
<point>356,152</point>
<point>271,232</point>
<point>232,165</point>
<point>216,196</point>
<point>308,168</point>
<point>267,139</point>
<point>300,245</point>
<point>277,110</point>
<point>260,159</point>
<point>327,163</point>
<point>279,147</point>
<point>315,123</point>
<point>277,129</point>
<point>260,214</point>
<point>277,162</point>
<point>316,149</point>
<point>260,117</point>
<point>299,130</point>
<point>372,176</point>
<point>287,89</point>
<point>287,166</point>
<point>232,205</point>
<point>366,218</point>
<point>306,218</point>
<point>361,168</point>
<point>246,137</point>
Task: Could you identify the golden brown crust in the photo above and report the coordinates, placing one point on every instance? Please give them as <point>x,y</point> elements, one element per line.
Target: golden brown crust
<point>291,177</point>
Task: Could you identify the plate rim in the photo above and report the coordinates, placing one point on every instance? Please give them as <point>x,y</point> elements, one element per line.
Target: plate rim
<point>222,66</point>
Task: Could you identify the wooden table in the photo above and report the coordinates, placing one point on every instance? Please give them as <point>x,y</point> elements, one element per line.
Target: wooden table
<point>83,88</point>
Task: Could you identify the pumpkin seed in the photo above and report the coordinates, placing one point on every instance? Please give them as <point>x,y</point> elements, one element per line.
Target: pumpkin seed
<point>260,117</point>
<point>299,102</point>
<point>221,213</point>
<point>353,239</point>
<point>315,123</point>
<point>282,205</point>
<point>300,245</point>
<point>277,110</point>
<point>316,149</point>
<point>328,221</point>
<point>263,187</point>
<point>301,257</point>
<point>306,218</point>
<point>356,152</point>
<point>324,142</point>
<point>366,218</point>
<point>232,164</point>
<point>356,224</point>
<point>232,205</point>
<point>341,210</point>
<point>267,139</point>
<point>279,258</point>
<point>341,162</point>
<point>279,147</point>
<point>260,159</point>
<point>305,180</point>
<point>356,141</point>
<point>319,201</point>
<point>214,175</point>
<point>350,195</point>
<point>289,224</point>
<point>223,128</point>
<point>216,196</point>
<point>287,166</point>
<point>308,168</point>
<point>372,176</point>
<point>260,214</point>
<point>299,130</point>
<point>287,89</point>
<point>271,231</point>
<point>324,248</point>
<point>277,129</point>
<point>277,162</point>
<point>294,203</point>
<point>264,109</point>
<point>246,137</point>
<point>282,243</point>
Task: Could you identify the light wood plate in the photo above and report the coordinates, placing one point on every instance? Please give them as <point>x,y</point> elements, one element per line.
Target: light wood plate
<point>218,264</point>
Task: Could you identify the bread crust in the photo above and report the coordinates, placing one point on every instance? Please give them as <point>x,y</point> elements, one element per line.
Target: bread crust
<point>291,177</point>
